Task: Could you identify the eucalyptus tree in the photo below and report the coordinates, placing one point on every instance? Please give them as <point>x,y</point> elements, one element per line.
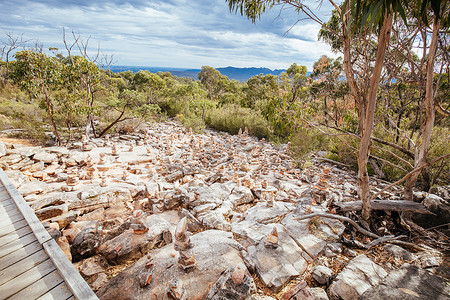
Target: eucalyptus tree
<point>327,85</point>
<point>258,91</point>
<point>358,17</point>
<point>40,75</point>
<point>367,24</point>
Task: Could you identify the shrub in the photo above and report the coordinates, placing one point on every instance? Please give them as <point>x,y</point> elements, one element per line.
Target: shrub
<point>305,141</point>
<point>195,122</point>
<point>26,116</point>
<point>344,150</point>
<point>231,117</point>
<point>440,171</point>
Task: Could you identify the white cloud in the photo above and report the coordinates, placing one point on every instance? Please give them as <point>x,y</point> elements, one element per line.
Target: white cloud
<point>177,33</point>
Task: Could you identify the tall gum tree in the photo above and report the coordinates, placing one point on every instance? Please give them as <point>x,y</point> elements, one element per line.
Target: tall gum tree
<point>358,17</point>
<point>40,75</point>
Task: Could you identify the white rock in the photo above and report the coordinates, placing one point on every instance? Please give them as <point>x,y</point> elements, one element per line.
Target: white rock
<point>357,277</point>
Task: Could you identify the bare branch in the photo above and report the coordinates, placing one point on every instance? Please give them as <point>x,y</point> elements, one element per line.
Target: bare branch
<point>410,174</point>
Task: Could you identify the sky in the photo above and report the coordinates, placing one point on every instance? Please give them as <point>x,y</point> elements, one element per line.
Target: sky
<point>171,33</point>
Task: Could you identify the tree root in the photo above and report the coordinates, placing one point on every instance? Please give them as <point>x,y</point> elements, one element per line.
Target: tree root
<point>378,239</point>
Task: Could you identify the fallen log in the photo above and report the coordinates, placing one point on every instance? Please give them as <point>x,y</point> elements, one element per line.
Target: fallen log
<point>386,205</point>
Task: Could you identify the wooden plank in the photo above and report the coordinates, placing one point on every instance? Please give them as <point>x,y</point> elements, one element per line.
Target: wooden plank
<point>386,205</point>
<point>57,293</point>
<point>15,235</point>
<point>9,206</point>
<point>13,246</point>
<point>11,219</point>
<point>8,203</point>
<point>19,254</point>
<point>9,214</point>
<point>27,278</point>
<point>39,287</point>
<point>12,227</point>
<point>7,209</point>
<point>35,225</point>
<point>6,199</point>
<point>73,279</point>
<point>22,266</point>
<point>4,196</point>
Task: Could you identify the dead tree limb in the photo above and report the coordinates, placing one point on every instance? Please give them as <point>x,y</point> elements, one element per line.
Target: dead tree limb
<point>358,228</point>
<point>333,162</point>
<point>340,218</point>
<point>386,205</point>
<point>410,174</point>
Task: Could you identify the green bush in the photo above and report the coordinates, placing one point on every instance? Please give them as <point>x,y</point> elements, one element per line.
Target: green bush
<point>344,150</point>
<point>231,117</point>
<point>26,116</point>
<point>305,141</point>
<point>195,122</point>
<point>440,140</point>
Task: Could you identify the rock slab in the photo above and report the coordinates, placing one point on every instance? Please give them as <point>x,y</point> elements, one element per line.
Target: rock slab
<point>410,283</point>
<point>358,276</point>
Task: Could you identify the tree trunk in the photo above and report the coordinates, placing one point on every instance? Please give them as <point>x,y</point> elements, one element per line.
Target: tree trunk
<point>347,65</point>
<point>367,126</point>
<point>49,108</point>
<point>112,123</point>
<point>430,112</point>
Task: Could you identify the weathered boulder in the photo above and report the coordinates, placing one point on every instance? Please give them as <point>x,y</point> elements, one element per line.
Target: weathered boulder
<point>314,233</point>
<point>116,230</point>
<point>17,177</point>
<point>51,211</point>
<point>214,250</point>
<point>410,283</point>
<point>129,245</point>
<point>33,187</point>
<point>358,276</point>
<point>214,220</point>
<point>234,284</point>
<point>277,265</point>
<point>11,159</point>
<point>193,223</point>
<point>240,195</point>
<point>93,271</point>
<point>67,218</point>
<point>85,244</point>
<point>90,198</point>
<point>261,213</point>
<point>96,214</point>
<point>300,291</point>
<point>318,293</point>
<point>212,196</point>
<point>38,166</point>
<point>50,199</point>
<point>441,191</point>
<point>45,157</point>
<point>438,206</point>
<point>251,233</point>
<point>322,274</point>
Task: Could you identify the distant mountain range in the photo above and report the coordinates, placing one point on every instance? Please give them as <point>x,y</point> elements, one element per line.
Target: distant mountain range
<point>241,74</point>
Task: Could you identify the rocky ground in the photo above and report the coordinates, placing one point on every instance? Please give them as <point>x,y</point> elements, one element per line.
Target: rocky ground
<point>167,214</point>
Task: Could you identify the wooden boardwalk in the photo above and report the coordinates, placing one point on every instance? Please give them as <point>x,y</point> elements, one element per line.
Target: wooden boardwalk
<point>32,266</point>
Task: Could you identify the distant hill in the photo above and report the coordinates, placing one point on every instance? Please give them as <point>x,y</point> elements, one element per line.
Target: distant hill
<point>241,74</point>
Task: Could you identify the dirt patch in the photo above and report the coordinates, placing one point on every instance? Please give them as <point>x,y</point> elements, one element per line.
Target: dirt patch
<point>24,142</point>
